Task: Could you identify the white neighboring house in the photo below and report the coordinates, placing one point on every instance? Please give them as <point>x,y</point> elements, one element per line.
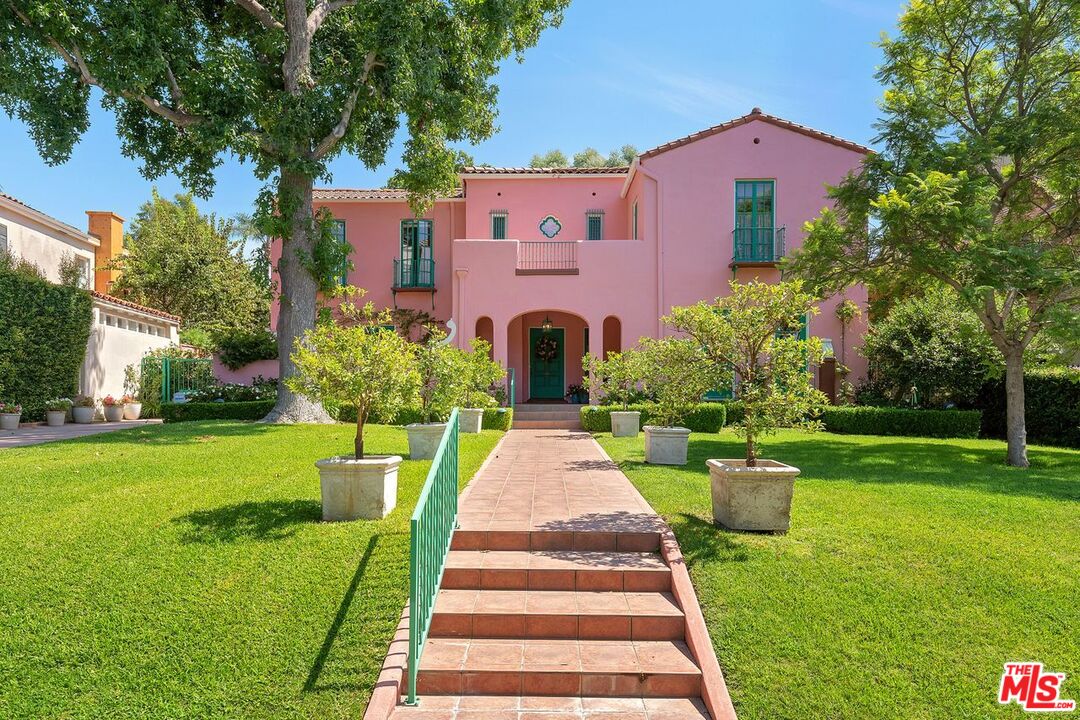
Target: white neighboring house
<point>122,332</point>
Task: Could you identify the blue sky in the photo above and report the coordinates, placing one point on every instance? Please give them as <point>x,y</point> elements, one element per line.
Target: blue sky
<point>617,71</point>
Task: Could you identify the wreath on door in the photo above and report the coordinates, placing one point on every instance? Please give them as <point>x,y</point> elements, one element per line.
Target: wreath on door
<point>546,349</point>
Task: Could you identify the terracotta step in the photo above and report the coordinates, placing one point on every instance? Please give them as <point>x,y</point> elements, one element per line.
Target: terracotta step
<point>564,424</point>
<point>545,412</point>
<point>555,570</point>
<point>601,668</point>
<point>508,707</point>
<point>552,614</point>
<point>465,539</point>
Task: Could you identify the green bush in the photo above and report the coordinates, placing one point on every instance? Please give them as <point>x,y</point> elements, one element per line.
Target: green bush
<point>898,421</point>
<point>186,412</point>
<point>1052,401</point>
<point>498,419</point>
<point>494,418</point>
<point>44,329</point>
<point>703,417</point>
<point>237,348</point>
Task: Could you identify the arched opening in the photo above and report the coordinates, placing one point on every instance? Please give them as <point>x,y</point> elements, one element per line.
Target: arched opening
<point>612,341</point>
<point>545,348</point>
<point>485,329</point>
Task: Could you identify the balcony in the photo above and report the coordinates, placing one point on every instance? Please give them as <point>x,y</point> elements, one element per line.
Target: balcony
<point>416,274</point>
<point>757,246</point>
<point>547,258</point>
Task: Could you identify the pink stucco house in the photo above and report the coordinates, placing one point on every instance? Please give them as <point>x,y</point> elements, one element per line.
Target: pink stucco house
<point>594,257</point>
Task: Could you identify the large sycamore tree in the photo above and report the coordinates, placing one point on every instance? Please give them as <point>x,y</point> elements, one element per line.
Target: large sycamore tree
<point>978,187</point>
<point>284,84</point>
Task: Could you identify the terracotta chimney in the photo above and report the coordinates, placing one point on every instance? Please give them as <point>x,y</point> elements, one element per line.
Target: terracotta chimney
<point>108,227</point>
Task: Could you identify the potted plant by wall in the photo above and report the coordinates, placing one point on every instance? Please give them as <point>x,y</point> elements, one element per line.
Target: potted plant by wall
<point>83,409</point>
<point>132,392</point>
<point>753,331</point>
<point>478,373</point>
<point>675,377</point>
<point>9,415</point>
<point>112,408</point>
<point>439,367</point>
<point>56,411</point>
<point>355,361</point>
<point>617,380</point>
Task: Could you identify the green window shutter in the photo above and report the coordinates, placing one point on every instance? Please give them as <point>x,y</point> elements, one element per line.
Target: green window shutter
<point>594,225</point>
<point>498,226</point>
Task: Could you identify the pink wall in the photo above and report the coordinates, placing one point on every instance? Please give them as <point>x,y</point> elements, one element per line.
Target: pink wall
<point>245,375</point>
<point>529,200</point>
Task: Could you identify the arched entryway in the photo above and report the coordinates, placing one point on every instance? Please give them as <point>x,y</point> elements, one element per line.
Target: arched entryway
<point>485,329</point>
<point>545,348</point>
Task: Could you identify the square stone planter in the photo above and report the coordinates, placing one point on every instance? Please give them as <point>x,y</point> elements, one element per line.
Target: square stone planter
<point>666,445</point>
<point>424,439</point>
<point>625,423</point>
<point>470,420</point>
<point>82,415</point>
<point>358,489</point>
<point>752,498</point>
<point>55,418</point>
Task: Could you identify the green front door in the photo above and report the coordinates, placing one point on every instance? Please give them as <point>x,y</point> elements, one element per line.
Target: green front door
<point>546,359</point>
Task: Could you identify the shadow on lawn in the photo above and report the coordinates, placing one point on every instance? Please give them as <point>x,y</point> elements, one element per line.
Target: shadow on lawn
<point>248,521</point>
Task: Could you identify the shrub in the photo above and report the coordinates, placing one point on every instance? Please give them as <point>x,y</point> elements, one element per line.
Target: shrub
<point>44,329</point>
<point>1052,397</point>
<point>498,419</point>
<point>440,366</point>
<point>899,421</point>
<point>675,376</point>
<point>478,375</point>
<point>260,389</point>
<point>615,380</point>
<point>237,348</point>
<point>702,417</point>
<point>150,376</point>
<point>187,412</point>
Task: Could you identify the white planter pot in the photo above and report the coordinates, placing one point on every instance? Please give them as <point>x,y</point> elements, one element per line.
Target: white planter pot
<point>752,498</point>
<point>82,415</point>
<point>132,411</point>
<point>113,413</point>
<point>55,418</point>
<point>625,423</point>
<point>666,445</point>
<point>358,489</point>
<point>9,421</point>
<point>470,420</point>
<point>424,439</point>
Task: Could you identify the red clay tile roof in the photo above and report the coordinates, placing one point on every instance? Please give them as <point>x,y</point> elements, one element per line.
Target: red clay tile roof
<point>371,194</point>
<point>484,170</point>
<point>756,114</point>
<point>134,306</point>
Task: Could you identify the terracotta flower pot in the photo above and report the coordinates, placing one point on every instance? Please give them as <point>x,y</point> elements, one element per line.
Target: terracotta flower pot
<point>424,439</point>
<point>752,498</point>
<point>666,445</point>
<point>358,489</point>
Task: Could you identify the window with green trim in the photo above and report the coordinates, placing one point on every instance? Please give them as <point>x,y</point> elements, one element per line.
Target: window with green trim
<point>498,224</point>
<point>337,231</point>
<point>417,259</point>
<point>594,225</point>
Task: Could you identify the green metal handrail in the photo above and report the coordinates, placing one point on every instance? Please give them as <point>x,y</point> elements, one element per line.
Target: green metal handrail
<point>414,273</point>
<point>510,388</point>
<point>758,244</point>
<point>431,531</point>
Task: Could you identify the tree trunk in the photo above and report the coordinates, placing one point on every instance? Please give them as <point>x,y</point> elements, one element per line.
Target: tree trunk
<point>358,442</point>
<point>297,296</point>
<point>1015,426</point>
<point>751,451</point>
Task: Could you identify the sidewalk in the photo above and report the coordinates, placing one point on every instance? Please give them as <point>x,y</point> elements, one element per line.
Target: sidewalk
<point>35,434</point>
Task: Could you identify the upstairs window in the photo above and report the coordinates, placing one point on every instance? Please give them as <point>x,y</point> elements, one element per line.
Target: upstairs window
<point>416,267</point>
<point>498,224</point>
<point>84,272</point>
<point>337,230</point>
<point>634,222</point>
<point>594,225</point>
<point>3,238</point>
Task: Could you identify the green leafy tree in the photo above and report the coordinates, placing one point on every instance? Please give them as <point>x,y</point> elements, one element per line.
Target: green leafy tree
<point>751,333</point>
<point>355,361</point>
<point>552,158</point>
<point>675,376</point>
<point>183,262</point>
<point>478,374</point>
<point>590,157</point>
<point>440,367</point>
<point>286,85</point>
<point>615,379</point>
<point>977,188</point>
<point>462,160</point>
<point>621,156</point>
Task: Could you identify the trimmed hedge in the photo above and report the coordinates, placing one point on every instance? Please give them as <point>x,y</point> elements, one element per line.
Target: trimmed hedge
<point>187,412</point>
<point>237,348</point>
<point>900,421</point>
<point>703,418</point>
<point>498,419</point>
<point>44,329</point>
<point>1052,401</point>
<point>494,418</point>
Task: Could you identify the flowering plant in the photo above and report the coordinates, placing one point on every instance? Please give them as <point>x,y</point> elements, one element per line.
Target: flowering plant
<point>110,401</point>
<point>7,408</point>
<point>83,401</point>
<point>58,405</point>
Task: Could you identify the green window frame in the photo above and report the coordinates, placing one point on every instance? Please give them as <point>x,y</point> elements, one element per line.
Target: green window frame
<point>417,252</point>
<point>755,204</point>
<point>499,219</point>
<point>594,225</point>
<point>337,231</point>
<point>634,220</point>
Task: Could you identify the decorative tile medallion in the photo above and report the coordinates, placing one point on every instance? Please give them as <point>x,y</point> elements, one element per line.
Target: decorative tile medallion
<point>550,226</point>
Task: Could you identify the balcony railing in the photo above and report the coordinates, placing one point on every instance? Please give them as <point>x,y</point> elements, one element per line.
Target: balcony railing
<point>758,244</point>
<point>418,273</point>
<point>547,258</point>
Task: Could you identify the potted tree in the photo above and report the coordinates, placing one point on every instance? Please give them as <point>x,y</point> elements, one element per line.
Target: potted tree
<point>9,415</point>
<point>616,379</point>
<point>675,377</point>
<point>132,392</point>
<point>82,409</point>
<point>478,374</point>
<point>753,331</point>
<point>113,409</point>
<point>439,367</point>
<point>56,411</point>
<point>371,368</point>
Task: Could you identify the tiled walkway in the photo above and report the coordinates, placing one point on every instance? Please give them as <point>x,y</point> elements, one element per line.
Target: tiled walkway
<point>35,434</point>
<point>555,602</point>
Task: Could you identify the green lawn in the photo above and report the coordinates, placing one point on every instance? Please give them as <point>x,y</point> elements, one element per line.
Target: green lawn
<point>182,571</point>
<point>913,570</point>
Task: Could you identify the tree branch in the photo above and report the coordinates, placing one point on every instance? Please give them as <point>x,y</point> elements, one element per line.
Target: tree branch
<point>323,10</point>
<point>334,136</point>
<point>261,14</point>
